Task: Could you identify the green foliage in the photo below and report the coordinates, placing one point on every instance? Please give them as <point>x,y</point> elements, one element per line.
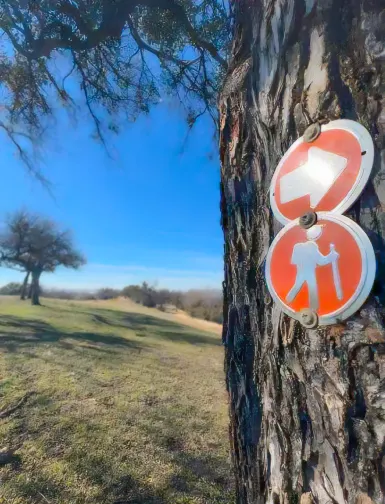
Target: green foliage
<point>207,309</point>
<point>67,294</point>
<point>33,243</point>
<point>133,292</point>
<point>107,293</point>
<point>124,55</point>
<point>11,289</point>
<point>206,305</point>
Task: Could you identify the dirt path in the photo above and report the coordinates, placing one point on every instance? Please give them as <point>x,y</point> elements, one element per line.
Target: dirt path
<point>204,325</point>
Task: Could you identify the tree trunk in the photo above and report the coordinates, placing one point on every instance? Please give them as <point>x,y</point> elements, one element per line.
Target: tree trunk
<point>35,288</point>
<point>307,407</point>
<point>24,286</point>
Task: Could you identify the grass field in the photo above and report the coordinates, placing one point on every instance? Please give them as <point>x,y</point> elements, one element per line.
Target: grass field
<point>127,406</point>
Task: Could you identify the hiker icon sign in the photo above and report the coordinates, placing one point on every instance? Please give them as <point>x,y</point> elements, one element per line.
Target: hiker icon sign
<point>307,257</point>
<point>328,268</point>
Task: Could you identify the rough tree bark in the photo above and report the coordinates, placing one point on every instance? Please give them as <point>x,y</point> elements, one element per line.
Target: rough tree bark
<point>307,408</point>
<point>35,287</point>
<point>24,286</point>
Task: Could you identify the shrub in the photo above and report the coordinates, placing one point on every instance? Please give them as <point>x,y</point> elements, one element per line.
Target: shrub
<point>107,293</point>
<point>11,289</point>
<point>203,304</point>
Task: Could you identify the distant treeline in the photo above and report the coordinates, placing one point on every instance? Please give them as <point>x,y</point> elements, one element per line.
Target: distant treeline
<point>203,304</point>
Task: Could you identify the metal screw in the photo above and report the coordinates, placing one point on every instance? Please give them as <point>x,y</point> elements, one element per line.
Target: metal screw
<point>308,220</point>
<point>312,132</point>
<point>267,299</point>
<point>309,319</point>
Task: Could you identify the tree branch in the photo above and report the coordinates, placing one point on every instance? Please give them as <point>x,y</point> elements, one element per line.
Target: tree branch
<point>181,15</point>
<point>88,103</point>
<point>12,135</point>
<point>73,12</point>
<point>160,54</point>
<point>115,17</point>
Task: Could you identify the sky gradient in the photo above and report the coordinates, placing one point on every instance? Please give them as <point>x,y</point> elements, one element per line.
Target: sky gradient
<point>149,212</point>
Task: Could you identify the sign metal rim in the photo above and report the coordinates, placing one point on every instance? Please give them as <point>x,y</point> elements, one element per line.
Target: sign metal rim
<point>367,276</point>
<point>366,144</point>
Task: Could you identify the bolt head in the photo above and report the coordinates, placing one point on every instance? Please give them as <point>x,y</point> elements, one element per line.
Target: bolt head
<point>309,319</point>
<point>308,220</point>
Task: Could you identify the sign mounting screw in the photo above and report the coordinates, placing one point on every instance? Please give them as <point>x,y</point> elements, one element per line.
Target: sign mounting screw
<point>308,220</point>
<point>309,319</point>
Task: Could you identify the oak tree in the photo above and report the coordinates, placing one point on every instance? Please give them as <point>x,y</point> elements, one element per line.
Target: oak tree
<point>35,245</point>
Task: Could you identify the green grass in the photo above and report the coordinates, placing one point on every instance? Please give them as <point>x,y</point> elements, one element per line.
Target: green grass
<point>128,407</point>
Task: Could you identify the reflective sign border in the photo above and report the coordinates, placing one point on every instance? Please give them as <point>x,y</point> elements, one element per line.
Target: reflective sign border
<point>366,143</point>
<point>367,277</point>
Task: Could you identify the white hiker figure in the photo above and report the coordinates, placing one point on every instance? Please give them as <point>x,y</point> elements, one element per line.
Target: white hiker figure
<point>307,256</point>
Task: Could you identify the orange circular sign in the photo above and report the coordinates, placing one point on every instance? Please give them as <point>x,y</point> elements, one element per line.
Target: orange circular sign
<point>327,174</point>
<point>328,268</point>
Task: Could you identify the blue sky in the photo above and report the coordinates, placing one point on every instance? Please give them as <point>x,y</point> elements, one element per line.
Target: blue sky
<point>150,213</point>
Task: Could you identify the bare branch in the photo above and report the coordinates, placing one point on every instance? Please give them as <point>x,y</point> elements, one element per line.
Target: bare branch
<point>181,15</point>
<point>13,137</point>
<point>88,103</point>
<point>61,92</point>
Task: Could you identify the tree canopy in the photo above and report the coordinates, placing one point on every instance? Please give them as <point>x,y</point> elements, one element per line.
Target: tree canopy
<point>31,242</point>
<point>35,245</point>
<point>124,54</point>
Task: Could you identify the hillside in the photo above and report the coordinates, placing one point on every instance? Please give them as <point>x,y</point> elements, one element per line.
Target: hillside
<point>126,405</point>
<point>180,317</point>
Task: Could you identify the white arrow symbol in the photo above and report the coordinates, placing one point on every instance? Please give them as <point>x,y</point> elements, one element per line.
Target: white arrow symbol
<point>315,177</point>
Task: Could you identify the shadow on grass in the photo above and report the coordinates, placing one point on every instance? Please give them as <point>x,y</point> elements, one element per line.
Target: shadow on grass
<point>38,488</point>
<point>117,488</point>
<point>33,332</point>
<point>204,476</point>
<point>193,468</point>
<point>145,325</point>
<point>107,471</point>
<point>102,460</point>
<point>193,338</point>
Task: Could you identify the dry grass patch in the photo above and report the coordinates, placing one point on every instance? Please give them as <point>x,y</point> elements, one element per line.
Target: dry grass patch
<point>128,407</point>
